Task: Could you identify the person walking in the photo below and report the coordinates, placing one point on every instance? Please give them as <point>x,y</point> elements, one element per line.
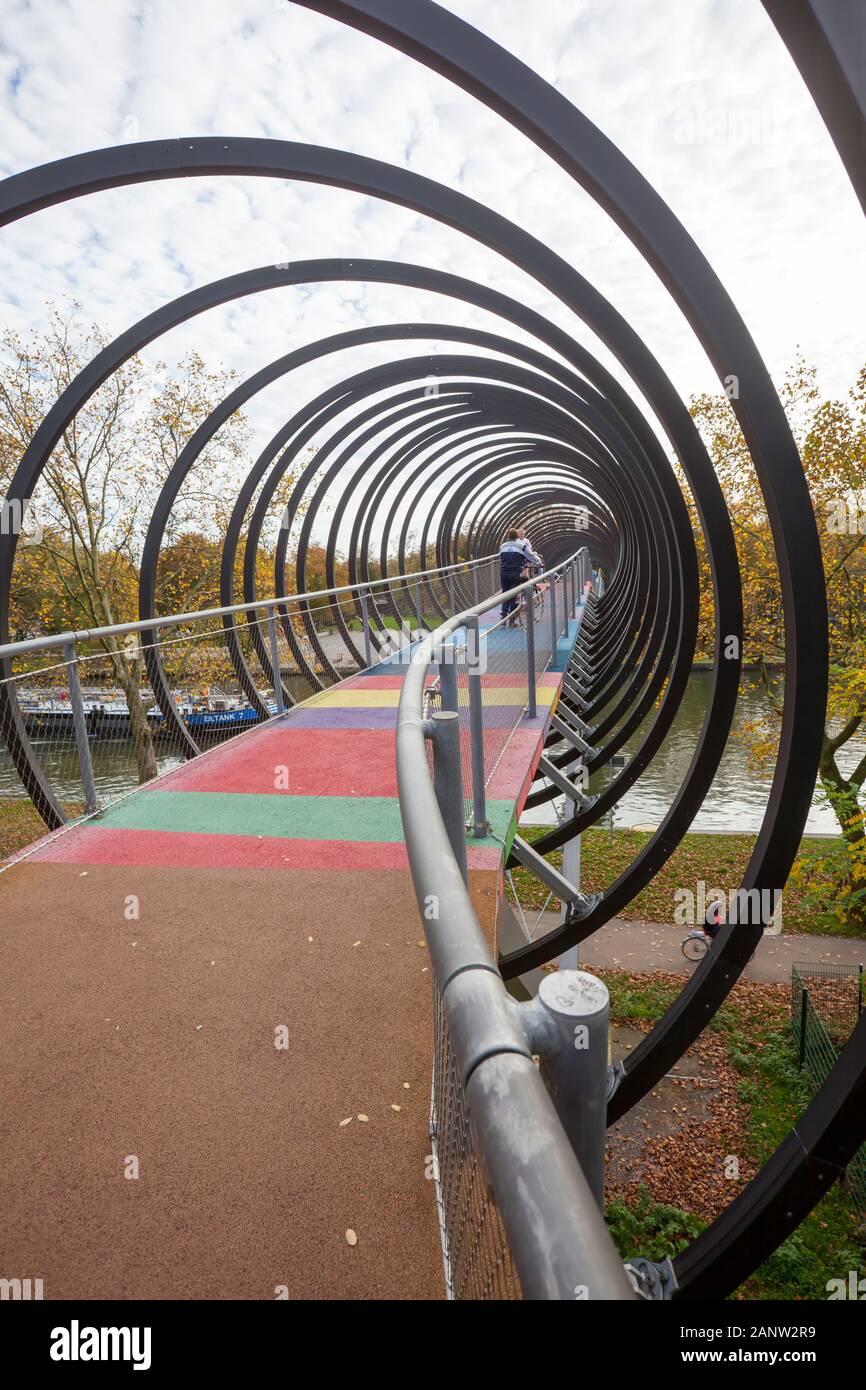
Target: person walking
<point>515,558</point>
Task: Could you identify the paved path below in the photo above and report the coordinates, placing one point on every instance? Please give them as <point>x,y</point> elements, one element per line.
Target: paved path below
<point>645,946</point>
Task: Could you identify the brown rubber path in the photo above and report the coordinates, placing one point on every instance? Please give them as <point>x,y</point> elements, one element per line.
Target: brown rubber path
<point>147,960</point>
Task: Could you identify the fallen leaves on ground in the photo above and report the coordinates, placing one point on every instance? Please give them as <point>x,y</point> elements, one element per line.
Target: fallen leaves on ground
<point>677,1149</point>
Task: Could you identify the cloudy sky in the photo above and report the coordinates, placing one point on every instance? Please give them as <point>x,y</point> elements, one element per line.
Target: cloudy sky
<point>700,94</point>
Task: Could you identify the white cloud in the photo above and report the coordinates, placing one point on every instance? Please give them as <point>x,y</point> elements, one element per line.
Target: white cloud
<point>704,99</point>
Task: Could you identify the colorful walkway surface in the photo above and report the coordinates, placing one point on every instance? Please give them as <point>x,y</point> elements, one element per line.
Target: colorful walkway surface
<point>216,1031</point>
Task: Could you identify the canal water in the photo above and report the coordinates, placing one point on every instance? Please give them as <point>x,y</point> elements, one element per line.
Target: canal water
<point>736,802</point>
<point>738,797</point>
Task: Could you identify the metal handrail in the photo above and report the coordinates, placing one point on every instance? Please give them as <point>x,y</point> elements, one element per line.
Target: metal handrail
<point>63,639</point>
<point>556,1233</point>
<point>67,645</point>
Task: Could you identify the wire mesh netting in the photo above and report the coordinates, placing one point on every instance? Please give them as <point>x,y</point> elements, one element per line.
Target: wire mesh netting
<point>147,701</point>
<point>37,700</point>
<point>837,995</point>
<point>477,1260</point>
<point>492,671</point>
<point>129,730</point>
<point>503,683</point>
<point>826,1004</point>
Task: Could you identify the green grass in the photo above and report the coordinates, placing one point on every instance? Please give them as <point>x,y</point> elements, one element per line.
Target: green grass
<point>651,1229</point>
<point>829,1242</point>
<point>718,860</point>
<point>20,824</point>
<point>636,996</point>
<point>832,1238</point>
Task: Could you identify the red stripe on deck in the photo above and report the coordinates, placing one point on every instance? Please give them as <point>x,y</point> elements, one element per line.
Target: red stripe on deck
<point>168,849</point>
<point>382,682</point>
<point>516,768</point>
<point>333,762</point>
<point>485,857</point>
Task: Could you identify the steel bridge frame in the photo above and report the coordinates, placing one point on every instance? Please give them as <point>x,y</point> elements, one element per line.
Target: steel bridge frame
<point>529,441</point>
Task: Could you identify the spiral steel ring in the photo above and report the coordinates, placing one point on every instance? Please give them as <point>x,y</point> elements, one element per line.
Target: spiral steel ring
<point>492,433</point>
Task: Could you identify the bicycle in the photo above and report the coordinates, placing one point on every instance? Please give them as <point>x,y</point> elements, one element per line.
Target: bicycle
<point>697,942</point>
<point>538,600</point>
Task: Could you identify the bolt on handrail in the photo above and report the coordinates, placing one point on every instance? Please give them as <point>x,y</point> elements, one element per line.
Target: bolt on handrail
<point>555,1231</point>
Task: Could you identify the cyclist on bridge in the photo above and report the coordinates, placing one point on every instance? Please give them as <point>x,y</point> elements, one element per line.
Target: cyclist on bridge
<point>536,568</point>
<point>515,558</point>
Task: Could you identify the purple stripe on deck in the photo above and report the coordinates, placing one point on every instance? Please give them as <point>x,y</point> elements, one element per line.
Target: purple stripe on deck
<point>334,717</point>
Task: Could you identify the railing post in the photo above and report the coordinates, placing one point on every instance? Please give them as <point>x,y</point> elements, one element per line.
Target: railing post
<point>275,661</point>
<point>452,596</point>
<point>448,677</point>
<point>570,959</point>
<point>529,612</point>
<point>567,1024</point>
<point>417,603</point>
<point>365,623</point>
<point>444,733</point>
<point>480,826</point>
<point>475,586</point>
<point>79,725</point>
<point>554,635</point>
<point>804,1014</point>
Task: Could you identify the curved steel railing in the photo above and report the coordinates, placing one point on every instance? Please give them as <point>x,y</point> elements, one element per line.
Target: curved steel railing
<point>546,1236</point>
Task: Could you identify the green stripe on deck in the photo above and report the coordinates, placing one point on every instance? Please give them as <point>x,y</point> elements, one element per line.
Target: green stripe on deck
<point>356,818</point>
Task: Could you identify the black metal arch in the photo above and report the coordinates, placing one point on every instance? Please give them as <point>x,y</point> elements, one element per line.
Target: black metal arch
<point>528,439</point>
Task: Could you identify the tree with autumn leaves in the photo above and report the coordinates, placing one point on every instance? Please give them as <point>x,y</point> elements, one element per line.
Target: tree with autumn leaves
<point>80,569</point>
<point>831,436</point>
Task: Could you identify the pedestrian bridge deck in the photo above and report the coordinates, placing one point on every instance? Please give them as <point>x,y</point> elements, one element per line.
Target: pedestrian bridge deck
<point>150,958</point>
